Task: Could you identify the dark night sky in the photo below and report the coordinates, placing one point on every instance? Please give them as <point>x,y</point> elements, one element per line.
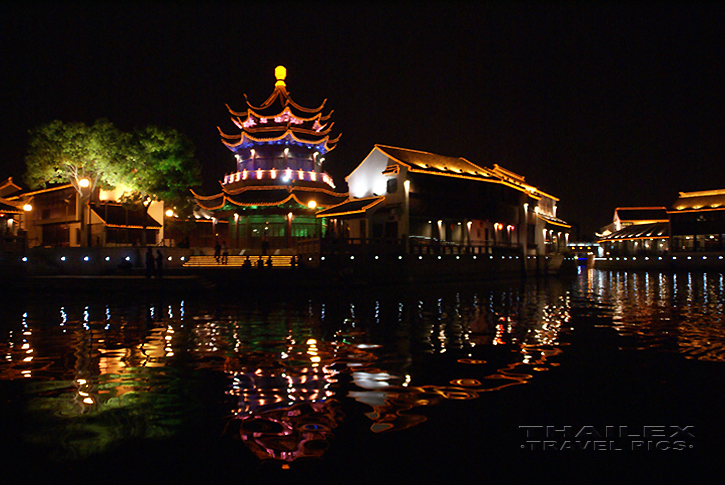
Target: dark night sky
<point>601,105</point>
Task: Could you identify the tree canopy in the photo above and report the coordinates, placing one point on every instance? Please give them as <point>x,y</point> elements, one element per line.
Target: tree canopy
<point>69,152</point>
<point>160,165</point>
<point>150,164</point>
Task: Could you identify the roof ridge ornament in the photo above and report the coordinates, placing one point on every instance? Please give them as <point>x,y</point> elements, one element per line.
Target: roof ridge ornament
<point>280,73</point>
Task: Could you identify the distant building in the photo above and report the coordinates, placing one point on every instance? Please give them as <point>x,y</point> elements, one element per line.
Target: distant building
<point>271,199</point>
<point>11,216</point>
<point>433,201</point>
<point>58,214</point>
<point>697,221</point>
<point>636,231</point>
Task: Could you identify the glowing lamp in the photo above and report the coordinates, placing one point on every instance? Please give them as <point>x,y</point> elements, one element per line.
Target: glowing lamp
<point>280,73</point>
<point>312,204</point>
<point>27,207</point>
<point>84,182</point>
<point>169,213</point>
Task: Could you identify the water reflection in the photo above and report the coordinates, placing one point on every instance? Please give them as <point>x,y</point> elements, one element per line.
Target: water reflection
<point>98,373</point>
<point>678,312</point>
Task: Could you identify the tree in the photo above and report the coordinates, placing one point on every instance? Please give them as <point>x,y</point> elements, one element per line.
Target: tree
<point>160,165</point>
<point>74,153</point>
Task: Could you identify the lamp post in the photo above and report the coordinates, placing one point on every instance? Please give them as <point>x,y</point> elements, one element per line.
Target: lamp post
<point>85,183</point>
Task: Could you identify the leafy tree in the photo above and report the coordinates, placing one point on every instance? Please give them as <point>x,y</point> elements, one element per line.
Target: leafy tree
<point>160,165</point>
<point>70,152</point>
<point>74,152</point>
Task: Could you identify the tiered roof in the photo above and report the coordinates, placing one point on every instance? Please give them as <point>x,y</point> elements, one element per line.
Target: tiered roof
<point>269,195</point>
<point>278,120</point>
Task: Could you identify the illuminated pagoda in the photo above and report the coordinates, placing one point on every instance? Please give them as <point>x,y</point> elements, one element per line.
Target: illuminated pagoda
<point>279,184</point>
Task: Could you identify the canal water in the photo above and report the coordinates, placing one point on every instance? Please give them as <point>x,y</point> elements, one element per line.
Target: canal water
<point>567,380</point>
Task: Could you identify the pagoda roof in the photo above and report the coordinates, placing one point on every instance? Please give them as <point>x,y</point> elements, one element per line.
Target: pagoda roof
<point>281,134</point>
<point>269,195</point>
<point>115,215</point>
<point>280,118</point>
<point>697,201</point>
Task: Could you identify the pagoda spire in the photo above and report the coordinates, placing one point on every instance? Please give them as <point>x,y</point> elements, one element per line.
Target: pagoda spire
<point>280,72</point>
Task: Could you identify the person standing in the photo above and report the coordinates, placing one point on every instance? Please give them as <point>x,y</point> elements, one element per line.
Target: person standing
<point>159,264</point>
<point>225,253</point>
<point>217,251</point>
<point>149,262</point>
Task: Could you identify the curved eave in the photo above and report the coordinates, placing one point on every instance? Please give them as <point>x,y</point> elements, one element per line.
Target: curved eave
<point>288,188</point>
<point>553,222</point>
<point>287,127</point>
<point>302,198</point>
<point>281,96</point>
<point>302,116</point>
<point>334,211</point>
<point>245,138</point>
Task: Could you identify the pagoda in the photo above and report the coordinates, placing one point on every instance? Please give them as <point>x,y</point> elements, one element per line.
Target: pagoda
<point>273,196</point>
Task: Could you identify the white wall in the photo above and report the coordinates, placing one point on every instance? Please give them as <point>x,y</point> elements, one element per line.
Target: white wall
<point>367,179</point>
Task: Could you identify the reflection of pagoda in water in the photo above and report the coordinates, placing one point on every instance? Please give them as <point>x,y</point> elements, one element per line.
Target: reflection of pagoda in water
<point>279,184</point>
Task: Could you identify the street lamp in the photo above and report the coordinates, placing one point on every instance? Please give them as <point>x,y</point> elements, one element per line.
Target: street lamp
<point>84,183</point>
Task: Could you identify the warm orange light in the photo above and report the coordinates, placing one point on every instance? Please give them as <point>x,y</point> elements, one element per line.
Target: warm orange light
<point>169,213</point>
<point>312,204</point>
<point>84,182</point>
<point>27,207</point>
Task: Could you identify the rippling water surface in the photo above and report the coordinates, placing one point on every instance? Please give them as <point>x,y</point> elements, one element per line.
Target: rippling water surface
<point>225,380</point>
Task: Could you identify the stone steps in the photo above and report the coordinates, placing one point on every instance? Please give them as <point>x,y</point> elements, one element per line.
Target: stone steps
<point>278,261</point>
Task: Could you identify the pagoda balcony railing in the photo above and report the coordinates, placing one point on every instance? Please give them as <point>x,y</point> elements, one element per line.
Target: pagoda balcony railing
<point>283,175</point>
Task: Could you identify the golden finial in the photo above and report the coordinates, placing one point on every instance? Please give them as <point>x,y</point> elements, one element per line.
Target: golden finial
<point>280,72</point>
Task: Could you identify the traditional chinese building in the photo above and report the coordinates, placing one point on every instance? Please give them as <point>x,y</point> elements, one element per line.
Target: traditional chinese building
<point>636,231</point>
<point>11,213</point>
<point>279,184</point>
<point>57,215</point>
<point>697,221</point>
<point>446,202</point>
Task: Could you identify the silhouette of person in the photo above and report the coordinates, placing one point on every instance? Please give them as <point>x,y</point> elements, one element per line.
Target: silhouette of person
<point>269,261</point>
<point>217,251</point>
<point>149,262</point>
<point>225,253</point>
<point>159,264</point>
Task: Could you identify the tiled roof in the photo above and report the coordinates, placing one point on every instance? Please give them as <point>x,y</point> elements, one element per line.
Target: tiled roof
<point>706,199</point>
<point>435,164</point>
<point>269,195</point>
<point>639,231</point>
<point>115,215</point>
<point>8,208</point>
<point>634,214</point>
<point>354,206</point>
